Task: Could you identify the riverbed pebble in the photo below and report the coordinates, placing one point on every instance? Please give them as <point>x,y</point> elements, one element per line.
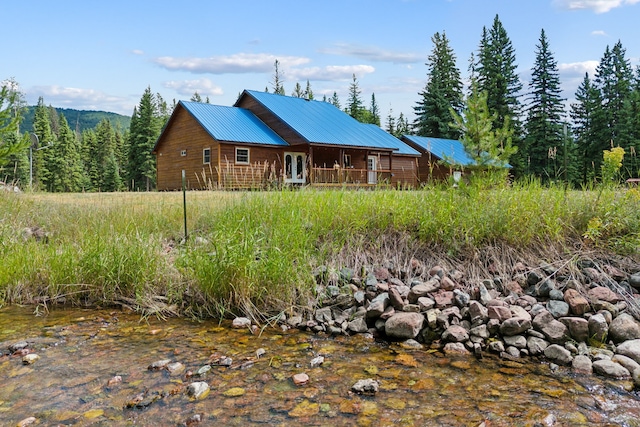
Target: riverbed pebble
<point>30,359</point>
<point>300,379</point>
<point>367,386</point>
<point>198,390</point>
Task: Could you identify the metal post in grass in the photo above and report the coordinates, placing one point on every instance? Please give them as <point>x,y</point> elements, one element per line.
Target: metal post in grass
<point>184,203</point>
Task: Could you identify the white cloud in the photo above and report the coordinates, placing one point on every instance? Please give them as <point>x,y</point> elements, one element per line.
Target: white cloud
<point>373,53</point>
<point>598,33</point>
<point>237,63</point>
<point>598,6</point>
<point>204,87</point>
<point>572,75</point>
<point>329,73</point>
<point>81,99</point>
<point>137,52</point>
<point>578,69</point>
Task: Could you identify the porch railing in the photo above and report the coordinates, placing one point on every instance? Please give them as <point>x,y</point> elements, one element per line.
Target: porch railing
<point>349,176</point>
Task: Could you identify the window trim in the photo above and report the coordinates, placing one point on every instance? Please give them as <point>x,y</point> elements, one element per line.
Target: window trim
<point>248,156</point>
<point>204,156</point>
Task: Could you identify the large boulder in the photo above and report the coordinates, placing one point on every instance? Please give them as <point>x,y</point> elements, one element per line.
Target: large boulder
<point>536,345</point>
<point>598,327</point>
<point>558,308</point>
<point>601,293</point>
<point>578,304</point>
<point>514,326</point>
<point>623,328</point>
<point>553,330</point>
<point>578,327</point>
<point>610,369</point>
<point>423,289</point>
<point>404,325</point>
<point>455,333</point>
<point>630,349</point>
<point>558,354</point>
<point>582,365</point>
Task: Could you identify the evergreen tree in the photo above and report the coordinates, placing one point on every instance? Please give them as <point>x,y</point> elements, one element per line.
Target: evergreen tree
<point>41,153</point>
<point>374,111</point>
<point>496,75</point>
<point>402,127</point>
<point>92,172</point>
<point>631,162</point>
<point>143,132</point>
<point>65,164</point>
<point>486,146</point>
<point>308,93</point>
<point>335,100</point>
<point>355,107</point>
<point>277,85</point>
<point>196,97</point>
<point>588,120</point>
<point>109,178</point>
<point>10,116</point>
<point>442,92</point>
<point>297,91</point>
<point>614,79</point>
<point>544,145</point>
<point>391,123</point>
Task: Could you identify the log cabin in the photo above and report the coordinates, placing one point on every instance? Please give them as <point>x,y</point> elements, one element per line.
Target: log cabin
<point>268,140</point>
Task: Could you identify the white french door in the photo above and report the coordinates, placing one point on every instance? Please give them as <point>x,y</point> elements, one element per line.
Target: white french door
<point>372,167</point>
<point>294,166</point>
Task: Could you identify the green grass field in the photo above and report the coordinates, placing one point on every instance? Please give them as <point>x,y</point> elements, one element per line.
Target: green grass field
<point>255,252</point>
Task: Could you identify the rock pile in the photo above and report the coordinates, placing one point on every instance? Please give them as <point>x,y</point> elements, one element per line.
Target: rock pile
<point>587,323</point>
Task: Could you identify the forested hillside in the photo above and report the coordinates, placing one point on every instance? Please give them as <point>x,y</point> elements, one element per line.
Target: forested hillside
<point>79,120</point>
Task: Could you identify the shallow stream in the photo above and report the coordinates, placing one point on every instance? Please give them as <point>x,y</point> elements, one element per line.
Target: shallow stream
<point>81,353</point>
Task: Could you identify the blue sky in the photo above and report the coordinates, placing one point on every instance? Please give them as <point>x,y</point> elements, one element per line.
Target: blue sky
<point>102,55</point>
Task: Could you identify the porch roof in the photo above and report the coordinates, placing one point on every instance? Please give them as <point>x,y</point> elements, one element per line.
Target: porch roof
<point>451,150</point>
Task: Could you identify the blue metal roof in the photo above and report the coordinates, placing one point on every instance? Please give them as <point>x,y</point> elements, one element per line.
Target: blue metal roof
<point>450,150</point>
<point>390,140</point>
<point>320,122</point>
<point>232,124</point>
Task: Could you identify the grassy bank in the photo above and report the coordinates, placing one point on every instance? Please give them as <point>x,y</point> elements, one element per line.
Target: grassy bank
<point>255,252</point>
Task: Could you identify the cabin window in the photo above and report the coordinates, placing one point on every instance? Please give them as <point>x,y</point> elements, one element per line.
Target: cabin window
<point>347,161</point>
<point>206,156</point>
<point>242,156</point>
<point>183,153</point>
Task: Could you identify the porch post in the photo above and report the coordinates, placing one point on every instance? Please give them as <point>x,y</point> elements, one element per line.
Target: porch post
<point>391,167</point>
<point>341,164</point>
<point>311,175</point>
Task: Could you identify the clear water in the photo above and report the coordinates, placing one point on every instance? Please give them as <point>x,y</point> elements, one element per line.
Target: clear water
<point>82,350</point>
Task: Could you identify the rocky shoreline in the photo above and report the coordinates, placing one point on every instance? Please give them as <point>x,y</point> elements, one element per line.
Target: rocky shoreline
<point>586,319</point>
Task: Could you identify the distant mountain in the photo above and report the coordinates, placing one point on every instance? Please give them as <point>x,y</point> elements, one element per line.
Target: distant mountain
<point>79,119</point>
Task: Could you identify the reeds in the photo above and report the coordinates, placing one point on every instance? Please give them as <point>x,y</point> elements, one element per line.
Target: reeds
<point>254,253</point>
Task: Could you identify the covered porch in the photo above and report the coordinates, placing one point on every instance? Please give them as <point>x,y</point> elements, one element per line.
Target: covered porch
<point>349,166</point>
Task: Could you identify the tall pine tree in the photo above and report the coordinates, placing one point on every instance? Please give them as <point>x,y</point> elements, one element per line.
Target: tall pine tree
<point>497,76</point>
<point>544,144</point>
<point>442,92</point>
<point>588,121</point>
<point>65,162</point>
<point>355,107</point>
<point>143,132</point>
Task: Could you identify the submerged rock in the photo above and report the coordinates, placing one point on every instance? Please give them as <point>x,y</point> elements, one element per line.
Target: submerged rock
<point>30,359</point>
<point>198,390</point>
<point>368,386</point>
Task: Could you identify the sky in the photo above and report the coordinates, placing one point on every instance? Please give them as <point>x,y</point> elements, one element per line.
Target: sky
<point>102,55</point>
